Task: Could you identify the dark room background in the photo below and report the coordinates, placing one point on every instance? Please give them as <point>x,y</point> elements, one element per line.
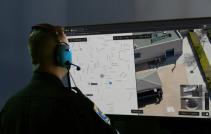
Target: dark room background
<point>17,17</point>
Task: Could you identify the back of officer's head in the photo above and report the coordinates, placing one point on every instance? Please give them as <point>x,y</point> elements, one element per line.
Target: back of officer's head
<point>42,42</point>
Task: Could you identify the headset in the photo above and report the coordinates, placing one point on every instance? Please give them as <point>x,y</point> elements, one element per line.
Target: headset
<point>63,53</point>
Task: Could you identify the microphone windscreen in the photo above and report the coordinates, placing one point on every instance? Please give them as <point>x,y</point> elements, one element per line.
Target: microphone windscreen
<point>78,68</point>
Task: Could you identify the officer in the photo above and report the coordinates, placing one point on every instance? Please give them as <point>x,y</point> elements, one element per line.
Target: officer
<point>45,106</point>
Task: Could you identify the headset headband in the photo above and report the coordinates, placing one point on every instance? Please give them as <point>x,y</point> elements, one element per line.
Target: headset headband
<point>46,27</point>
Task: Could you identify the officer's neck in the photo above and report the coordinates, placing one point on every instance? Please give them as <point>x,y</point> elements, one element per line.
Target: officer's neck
<point>57,71</point>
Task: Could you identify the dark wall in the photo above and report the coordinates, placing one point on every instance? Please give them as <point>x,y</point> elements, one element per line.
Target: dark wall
<point>17,16</point>
<point>171,9</point>
<point>108,11</point>
<point>100,11</point>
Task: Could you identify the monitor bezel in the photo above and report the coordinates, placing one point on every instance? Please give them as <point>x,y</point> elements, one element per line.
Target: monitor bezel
<point>139,26</point>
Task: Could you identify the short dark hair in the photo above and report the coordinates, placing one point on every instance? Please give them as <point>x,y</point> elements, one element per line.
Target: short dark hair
<point>42,41</point>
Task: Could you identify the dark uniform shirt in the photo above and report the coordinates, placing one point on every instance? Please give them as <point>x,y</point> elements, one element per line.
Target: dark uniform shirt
<point>46,106</point>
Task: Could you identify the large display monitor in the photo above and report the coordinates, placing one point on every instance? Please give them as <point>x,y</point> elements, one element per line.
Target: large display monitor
<point>157,68</point>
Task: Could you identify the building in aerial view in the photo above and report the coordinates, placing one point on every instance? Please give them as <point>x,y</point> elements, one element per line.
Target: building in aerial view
<point>149,87</point>
<point>160,45</point>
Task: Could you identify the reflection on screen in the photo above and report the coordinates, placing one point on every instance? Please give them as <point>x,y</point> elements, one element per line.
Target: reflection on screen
<point>160,73</point>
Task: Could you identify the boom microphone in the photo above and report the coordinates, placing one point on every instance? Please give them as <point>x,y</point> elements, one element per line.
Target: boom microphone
<point>69,64</point>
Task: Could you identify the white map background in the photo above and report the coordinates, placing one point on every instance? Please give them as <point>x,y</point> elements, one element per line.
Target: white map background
<point>109,64</point>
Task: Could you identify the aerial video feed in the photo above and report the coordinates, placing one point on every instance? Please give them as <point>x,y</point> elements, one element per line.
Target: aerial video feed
<point>160,73</point>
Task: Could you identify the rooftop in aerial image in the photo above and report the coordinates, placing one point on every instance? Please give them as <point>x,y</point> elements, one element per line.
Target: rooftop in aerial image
<point>157,38</point>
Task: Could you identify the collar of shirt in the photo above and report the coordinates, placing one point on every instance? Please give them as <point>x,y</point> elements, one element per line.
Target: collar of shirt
<point>47,77</point>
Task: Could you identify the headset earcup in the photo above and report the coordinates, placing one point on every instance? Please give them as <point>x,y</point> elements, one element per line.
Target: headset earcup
<point>63,55</point>
<point>56,55</point>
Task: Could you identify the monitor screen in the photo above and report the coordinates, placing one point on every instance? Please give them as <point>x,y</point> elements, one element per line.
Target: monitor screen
<point>143,72</point>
